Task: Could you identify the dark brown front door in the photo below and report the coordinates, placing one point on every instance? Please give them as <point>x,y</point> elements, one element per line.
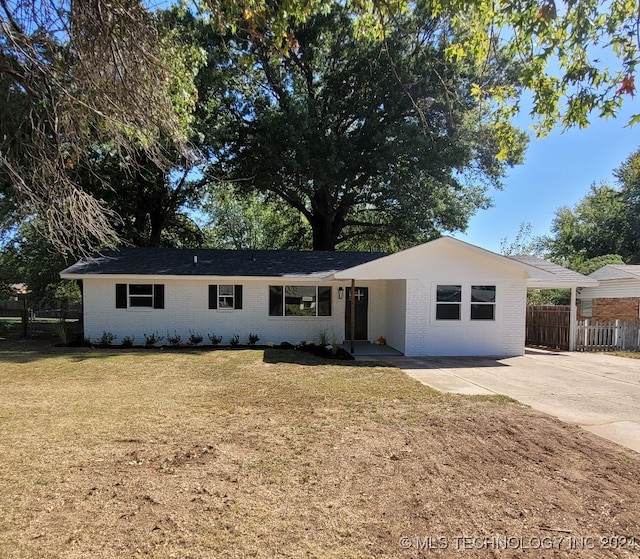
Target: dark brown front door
<point>362,313</point>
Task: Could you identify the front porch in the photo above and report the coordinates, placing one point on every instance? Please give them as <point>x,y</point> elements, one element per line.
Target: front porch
<point>367,349</point>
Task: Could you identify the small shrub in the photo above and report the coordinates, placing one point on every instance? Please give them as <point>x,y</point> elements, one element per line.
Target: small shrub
<point>235,340</point>
<point>328,351</point>
<point>127,341</point>
<point>334,344</point>
<point>253,338</point>
<point>175,339</point>
<point>194,339</point>
<point>106,339</point>
<point>324,337</point>
<point>152,339</point>
<point>215,340</point>
<point>60,331</point>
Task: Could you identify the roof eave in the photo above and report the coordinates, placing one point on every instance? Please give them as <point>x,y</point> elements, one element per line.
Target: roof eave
<point>537,284</point>
<point>156,277</point>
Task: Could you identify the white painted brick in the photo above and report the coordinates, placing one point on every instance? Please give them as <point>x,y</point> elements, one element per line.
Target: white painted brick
<point>402,311</point>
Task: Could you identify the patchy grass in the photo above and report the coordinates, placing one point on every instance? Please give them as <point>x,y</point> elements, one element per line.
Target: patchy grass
<point>629,354</point>
<point>232,454</point>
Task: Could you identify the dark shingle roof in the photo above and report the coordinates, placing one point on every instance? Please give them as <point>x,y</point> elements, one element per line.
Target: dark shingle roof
<point>561,274</point>
<point>180,262</point>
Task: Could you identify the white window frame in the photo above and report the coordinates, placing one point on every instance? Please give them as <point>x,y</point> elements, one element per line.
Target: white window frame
<point>584,305</point>
<point>226,297</point>
<point>146,296</point>
<point>483,303</point>
<point>451,304</point>
<point>312,304</point>
<point>465,304</point>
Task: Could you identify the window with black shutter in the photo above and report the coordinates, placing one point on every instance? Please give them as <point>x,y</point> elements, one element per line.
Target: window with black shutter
<point>121,295</point>
<point>139,295</point>
<point>225,297</point>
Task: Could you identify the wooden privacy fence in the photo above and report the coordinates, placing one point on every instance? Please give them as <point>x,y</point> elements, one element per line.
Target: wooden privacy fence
<point>608,336</point>
<point>548,325</point>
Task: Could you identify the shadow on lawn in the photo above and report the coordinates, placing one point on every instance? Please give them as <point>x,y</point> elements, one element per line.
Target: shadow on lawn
<point>297,357</point>
<point>28,351</point>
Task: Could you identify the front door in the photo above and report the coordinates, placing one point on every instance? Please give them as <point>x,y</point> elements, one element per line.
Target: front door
<point>362,313</point>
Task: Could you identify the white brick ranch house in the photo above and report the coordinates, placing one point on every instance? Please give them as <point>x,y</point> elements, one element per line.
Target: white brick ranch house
<point>445,297</point>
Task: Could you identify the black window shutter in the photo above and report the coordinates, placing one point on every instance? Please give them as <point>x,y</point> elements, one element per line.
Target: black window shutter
<point>237,297</point>
<point>213,296</point>
<point>324,301</point>
<point>121,295</point>
<point>158,296</point>
<point>275,300</point>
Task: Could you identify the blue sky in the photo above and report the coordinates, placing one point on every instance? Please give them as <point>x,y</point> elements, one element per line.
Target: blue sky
<point>558,171</point>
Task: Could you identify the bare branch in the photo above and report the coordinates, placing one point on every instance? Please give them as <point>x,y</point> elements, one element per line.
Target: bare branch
<point>91,71</point>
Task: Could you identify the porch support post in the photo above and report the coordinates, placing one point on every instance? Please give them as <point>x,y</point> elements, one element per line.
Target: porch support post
<point>573,320</point>
<point>352,334</point>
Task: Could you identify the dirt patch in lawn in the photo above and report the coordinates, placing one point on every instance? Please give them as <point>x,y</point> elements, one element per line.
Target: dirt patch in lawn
<point>237,454</point>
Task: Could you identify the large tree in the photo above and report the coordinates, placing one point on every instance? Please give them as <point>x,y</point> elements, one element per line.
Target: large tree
<point>368,139</point>
<point>77,70</point>
<point>628,179</point>
<point>150,204</point>
<point>579,59</point>
<point>604,223</point>
<point>591,228</point>
<point>73,73</point>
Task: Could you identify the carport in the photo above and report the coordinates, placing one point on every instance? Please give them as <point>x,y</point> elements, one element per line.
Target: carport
<point>557,277</point>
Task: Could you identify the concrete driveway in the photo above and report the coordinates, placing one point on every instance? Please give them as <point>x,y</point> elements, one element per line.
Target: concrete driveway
<point>598,391</point>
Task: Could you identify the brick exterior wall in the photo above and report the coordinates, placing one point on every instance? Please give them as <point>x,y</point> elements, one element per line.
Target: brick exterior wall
<point>610,308</point>
<point>401,311</point>
<point>503,336</point>
<point>186,308</point>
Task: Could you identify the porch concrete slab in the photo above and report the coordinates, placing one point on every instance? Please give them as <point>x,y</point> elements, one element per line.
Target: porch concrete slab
<point>600,392</point>
<point>366,349</point>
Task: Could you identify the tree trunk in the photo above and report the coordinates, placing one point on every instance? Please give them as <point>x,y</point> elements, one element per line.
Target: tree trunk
<point>157,223</point>
<point>326,232</point>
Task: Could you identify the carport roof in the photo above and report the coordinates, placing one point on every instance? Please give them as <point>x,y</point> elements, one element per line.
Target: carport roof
<point>617,271</point>
<point>561,276</point>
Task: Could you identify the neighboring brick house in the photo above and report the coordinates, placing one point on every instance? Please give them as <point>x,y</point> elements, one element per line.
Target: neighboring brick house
<point>617,297</point>
<point>445,297</point>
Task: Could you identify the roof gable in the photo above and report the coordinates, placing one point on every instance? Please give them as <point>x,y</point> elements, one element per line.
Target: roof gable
<point>454,258</point>
<point>617,271</point>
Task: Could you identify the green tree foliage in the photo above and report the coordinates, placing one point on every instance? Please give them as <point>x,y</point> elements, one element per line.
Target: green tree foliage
<point>628,179</point>
<point>579,59</point>
<point>76,73</point>
<point>589,266</point>
<point>604,227</point>
<point>150,205</point>
<point>368,139</point>
<point>72,73</point>
<point>591,228</point>
<point>27,257</point>
<point>252,222</point>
